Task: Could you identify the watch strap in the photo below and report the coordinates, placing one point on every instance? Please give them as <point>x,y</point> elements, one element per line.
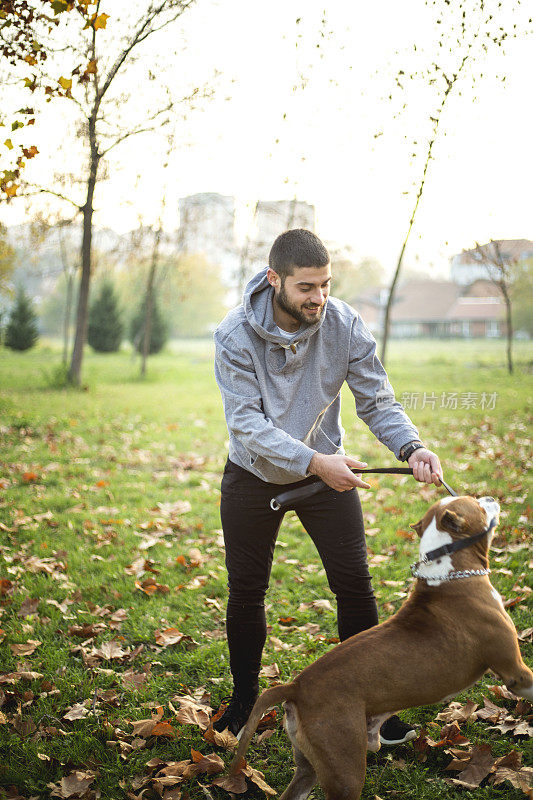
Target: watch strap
<point>408,449</point>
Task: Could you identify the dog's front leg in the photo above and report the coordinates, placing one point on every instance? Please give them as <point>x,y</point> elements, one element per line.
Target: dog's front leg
<point>507,662</point>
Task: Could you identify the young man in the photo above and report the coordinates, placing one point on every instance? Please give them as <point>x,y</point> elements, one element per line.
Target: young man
<point>281,360</point>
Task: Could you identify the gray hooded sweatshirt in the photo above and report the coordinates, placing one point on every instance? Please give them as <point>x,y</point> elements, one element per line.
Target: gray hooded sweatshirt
<point>281,395</point>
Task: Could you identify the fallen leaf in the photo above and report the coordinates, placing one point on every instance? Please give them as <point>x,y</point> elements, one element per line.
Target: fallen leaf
<point>502,691</point>
<point>77,711</point>
<point>270,671</point>
<point>144,727</point>
<point>133,681</point>
<point>193,713</point>
<point>322,605</point>
<point>236,784</point>
<point>170,636</point>
<point>73,785</point>
<point>150,587</point>
<point>210,764</point>
<point>109,650</point>
<point>223,739</point>
<point>26,648</point>
<point>6,586</point>
<point>163,729</point>
<point>28,607</point>
<point>479,765</point>
<point>87,630</point>
<point>458,711</point>
<point>259,779</point>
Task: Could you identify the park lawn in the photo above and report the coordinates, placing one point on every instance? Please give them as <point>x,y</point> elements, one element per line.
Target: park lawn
<point>110,532</point>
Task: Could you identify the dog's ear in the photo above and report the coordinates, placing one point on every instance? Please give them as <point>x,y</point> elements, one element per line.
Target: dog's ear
<point>417,526</point>
<point>452,521</point>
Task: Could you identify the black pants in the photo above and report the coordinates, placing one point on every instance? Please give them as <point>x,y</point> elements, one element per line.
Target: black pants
<point>333,520</point>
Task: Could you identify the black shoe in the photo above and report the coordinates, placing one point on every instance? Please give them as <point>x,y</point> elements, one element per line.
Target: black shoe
<point>235,715</point>
<point>394,731</point>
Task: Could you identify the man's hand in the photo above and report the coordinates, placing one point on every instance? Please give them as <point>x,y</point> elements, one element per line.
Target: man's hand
<point>336,471</point>
<point>426,466</point>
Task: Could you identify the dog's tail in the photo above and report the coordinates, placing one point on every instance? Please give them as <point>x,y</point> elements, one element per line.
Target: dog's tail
<point>270,697</point>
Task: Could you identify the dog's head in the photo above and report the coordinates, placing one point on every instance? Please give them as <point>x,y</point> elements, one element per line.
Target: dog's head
<point>460,516</point>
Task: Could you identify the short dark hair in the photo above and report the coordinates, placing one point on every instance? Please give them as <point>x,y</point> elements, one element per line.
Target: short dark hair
<point>297,248</point>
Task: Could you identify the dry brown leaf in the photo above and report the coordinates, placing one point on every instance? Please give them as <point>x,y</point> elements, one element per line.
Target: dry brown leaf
<point>265,735</point>
<point>193,713</point>
<point>490,711</point>
<point>163,729</point>
<point>110,650</point>
<point>144,727</point>
<point>479,765</point>
<point>502,691</point>
<point>224,739</point>
<point>512,760</point>
<point>26,648</point>
<point>520,779</point>
<point>14,677</point>
<point>133,681</point>
<point>87,630</point>
<point>210,764</point>
<point>196,557</point>
<point>457,711</point>
<point>526,635</point>
<point>6,586</point>
<point>28,607</point>
<point>170,636</point>
<point>150,587</point>
<point>259,779</point>
<point>236,784</point>
<point>322,605</point>
<point>270,671</point>
<point>451,735</point>
<point>73,785</point>
<point>77,711</point>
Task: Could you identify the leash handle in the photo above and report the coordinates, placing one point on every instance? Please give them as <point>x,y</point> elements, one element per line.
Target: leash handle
<point>318,485</point>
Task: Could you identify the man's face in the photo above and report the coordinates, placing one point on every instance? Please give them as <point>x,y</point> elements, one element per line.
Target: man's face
<point>302,295</point>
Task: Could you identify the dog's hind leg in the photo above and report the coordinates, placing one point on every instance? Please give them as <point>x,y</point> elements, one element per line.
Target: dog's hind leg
<point>339,757</point>
<point>303,781</point>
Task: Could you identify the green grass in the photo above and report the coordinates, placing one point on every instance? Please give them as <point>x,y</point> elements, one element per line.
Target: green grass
<point>97,462</point>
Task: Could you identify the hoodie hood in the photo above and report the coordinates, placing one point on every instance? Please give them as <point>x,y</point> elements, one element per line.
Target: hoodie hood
<point>257,303</point>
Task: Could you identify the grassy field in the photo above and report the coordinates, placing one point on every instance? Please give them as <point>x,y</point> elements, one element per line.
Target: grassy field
<point>112,580</point>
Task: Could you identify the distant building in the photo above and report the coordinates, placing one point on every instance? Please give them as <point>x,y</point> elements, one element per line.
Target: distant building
<point>468,266</point>
<point>443,308</point>
<point>207,225</point>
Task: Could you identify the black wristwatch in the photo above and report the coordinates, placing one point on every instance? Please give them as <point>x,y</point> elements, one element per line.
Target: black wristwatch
<point>408,449</point>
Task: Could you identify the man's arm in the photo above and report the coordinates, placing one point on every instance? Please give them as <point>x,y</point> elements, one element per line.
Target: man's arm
<point>241,395</point>
<point>378,408</point>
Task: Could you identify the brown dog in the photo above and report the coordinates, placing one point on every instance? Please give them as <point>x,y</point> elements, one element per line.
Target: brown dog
<point>451,629</point>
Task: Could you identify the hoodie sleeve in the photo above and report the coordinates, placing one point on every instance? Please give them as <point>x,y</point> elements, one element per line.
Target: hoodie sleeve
<point>243,409</point>
<point>374,396</point>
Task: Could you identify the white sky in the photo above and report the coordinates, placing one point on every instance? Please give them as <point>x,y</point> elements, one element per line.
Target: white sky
<point>479,185</point>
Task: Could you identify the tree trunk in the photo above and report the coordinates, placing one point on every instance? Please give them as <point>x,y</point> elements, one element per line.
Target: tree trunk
<point>150,302</point>
<point>86,263</point>
<point>509,322</point>
<point>392,289</point>
<point>66,321</point>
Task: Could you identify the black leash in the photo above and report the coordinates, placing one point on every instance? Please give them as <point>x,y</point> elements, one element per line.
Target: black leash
<point>316,486</point>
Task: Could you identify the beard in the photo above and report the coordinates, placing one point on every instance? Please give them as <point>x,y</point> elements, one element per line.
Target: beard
<point>296,311</point>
